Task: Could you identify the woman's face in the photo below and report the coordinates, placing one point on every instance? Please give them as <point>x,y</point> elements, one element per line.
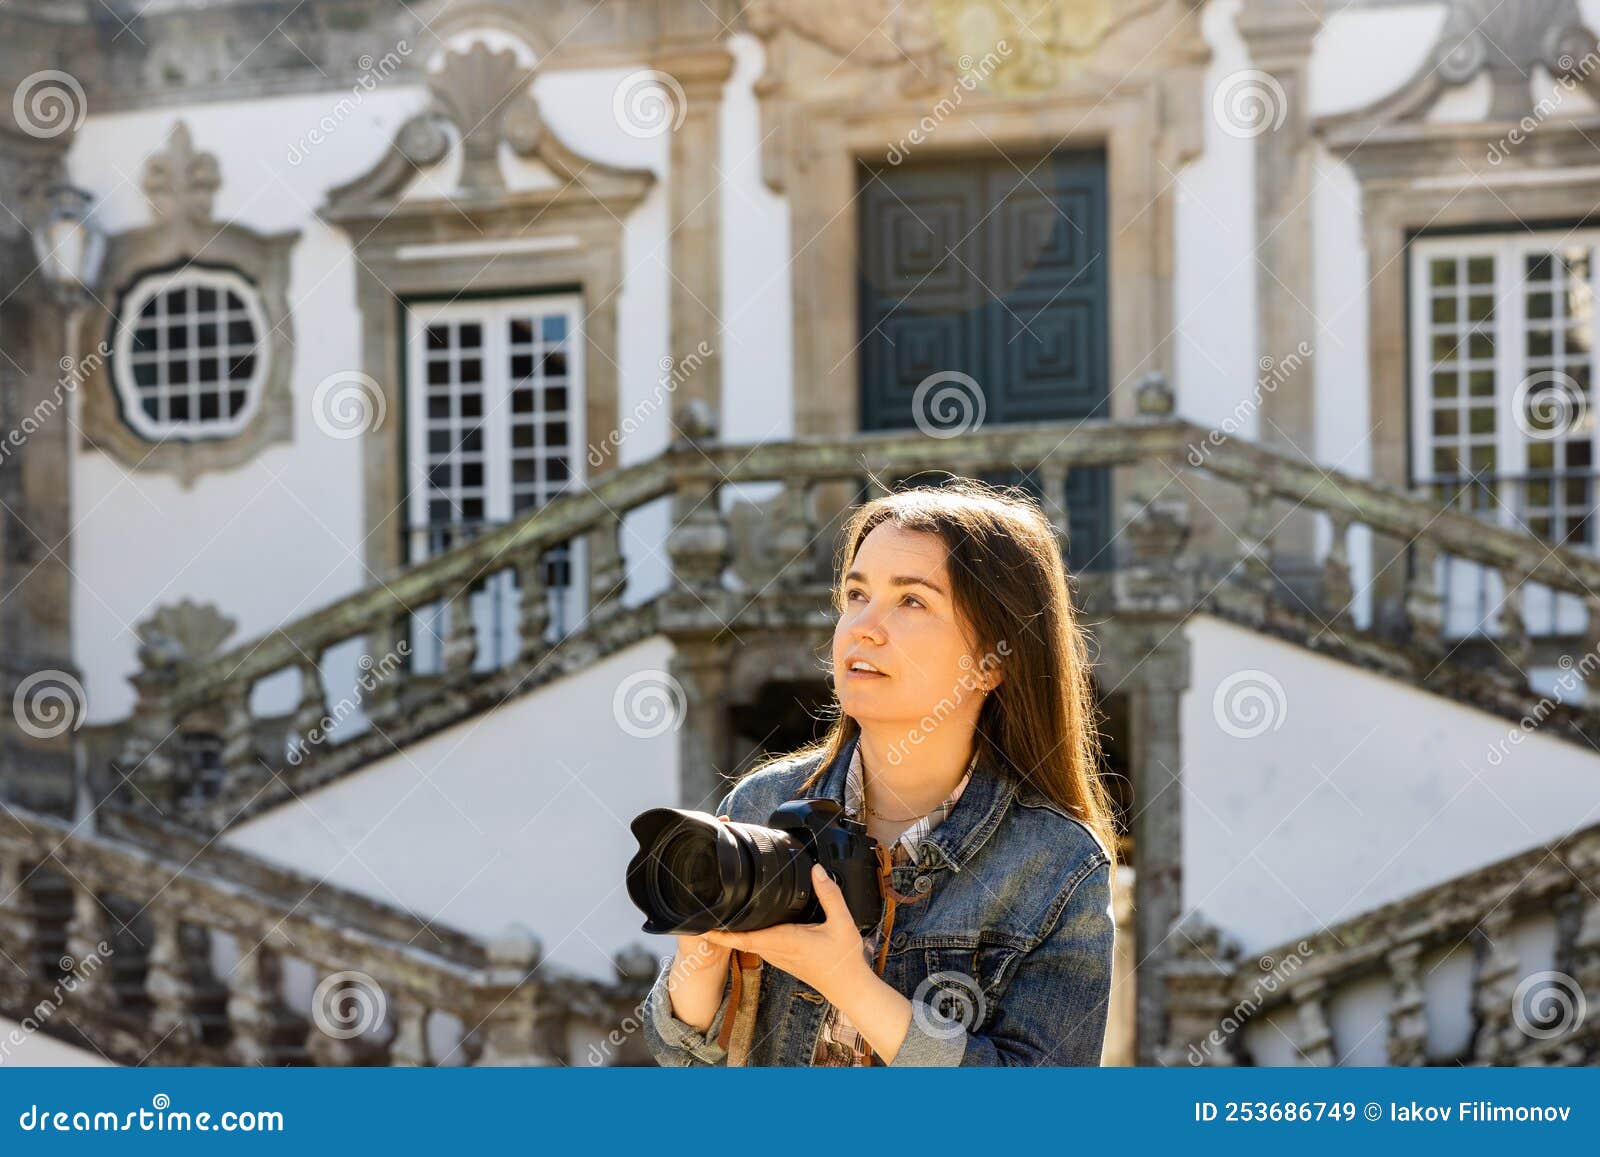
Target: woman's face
<point>910,630</point>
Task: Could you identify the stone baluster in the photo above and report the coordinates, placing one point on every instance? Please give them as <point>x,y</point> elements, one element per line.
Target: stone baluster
<point>89,949</point>
<point>19,933</point>
<point>1494,986</point>
<point>388,648</point>
<point>608,572</point>
<point>534,608</point>
<point>699,544</point>
<point>256,1014</point>
<point>1052,478</point>
<point>1408,1020</point>
<point>794,535</point>
<point>1314,1036</point>
<point>1338,590</point>
<point>241,765</point>
<point>178,953</point>
<point>410,1044</point>
<point>1424,601</point>
<point>343,1013</point>
<point>150,758</point>
<point>1510,626</point>
<point>1255,562</point>
<point>461,645</point>
<point>313,706</point>
<point>512,1016</point>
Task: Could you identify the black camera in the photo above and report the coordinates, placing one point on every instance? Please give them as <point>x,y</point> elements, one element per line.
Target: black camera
<point>695,872</point>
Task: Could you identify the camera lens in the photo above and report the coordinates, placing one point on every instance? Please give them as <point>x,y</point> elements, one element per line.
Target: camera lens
<point>686,876</point>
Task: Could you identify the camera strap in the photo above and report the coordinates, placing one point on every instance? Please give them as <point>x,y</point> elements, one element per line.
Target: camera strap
<point>738,1026</point>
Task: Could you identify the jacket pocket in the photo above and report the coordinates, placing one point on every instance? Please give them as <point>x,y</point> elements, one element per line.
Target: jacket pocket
<point>963,983</point>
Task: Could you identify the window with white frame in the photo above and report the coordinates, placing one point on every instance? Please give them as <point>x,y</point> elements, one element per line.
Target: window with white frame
<point>1502,355</point>
<point>495,393</point>
<point>189,355</point>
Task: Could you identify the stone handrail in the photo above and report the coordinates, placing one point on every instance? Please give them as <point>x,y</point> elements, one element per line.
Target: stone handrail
<point>1519,1015</point>
<point>1153,571</point>
<point>124,941</point>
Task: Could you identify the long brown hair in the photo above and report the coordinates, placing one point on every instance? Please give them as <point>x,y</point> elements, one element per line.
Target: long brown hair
<point>1010,584</point>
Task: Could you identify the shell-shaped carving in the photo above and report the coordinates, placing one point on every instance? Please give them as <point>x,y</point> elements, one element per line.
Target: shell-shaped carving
<point>196,630</point>
<point>475,87</point>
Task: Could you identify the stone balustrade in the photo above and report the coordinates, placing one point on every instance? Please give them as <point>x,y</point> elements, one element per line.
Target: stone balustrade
<point>199,955</point>
<point>772,575</point>
<point>1520,1011</point>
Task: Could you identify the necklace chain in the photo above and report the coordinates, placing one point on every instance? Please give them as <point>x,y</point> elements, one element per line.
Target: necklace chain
<point>906,819</point>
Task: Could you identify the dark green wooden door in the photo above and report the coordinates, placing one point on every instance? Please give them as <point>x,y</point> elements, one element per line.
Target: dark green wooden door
<point>995,269</point>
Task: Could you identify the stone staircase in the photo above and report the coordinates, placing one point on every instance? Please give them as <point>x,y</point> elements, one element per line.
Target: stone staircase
<point>756,568</point>
<point>184,956</point>
<point>772,582</point>
<point>1281,1001</point>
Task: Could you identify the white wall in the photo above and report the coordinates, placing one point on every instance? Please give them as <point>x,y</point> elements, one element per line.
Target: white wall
<point>518,816</point>
<point>1366,791</point>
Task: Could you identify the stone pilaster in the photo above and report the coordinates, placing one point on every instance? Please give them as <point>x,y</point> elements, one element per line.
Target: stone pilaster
<point>1278,34</point>
<point>694,211</point>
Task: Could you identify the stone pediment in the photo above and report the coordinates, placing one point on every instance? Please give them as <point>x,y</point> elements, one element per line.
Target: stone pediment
<point>478,102</point>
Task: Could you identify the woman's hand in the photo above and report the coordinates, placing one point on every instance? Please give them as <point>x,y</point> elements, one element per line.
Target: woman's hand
<point>830,956</point>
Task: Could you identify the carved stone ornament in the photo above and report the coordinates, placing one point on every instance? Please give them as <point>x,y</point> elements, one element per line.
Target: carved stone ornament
<point>180,184</point>
<point>1506,41</point>
<point>183,632</point>
<point>479,99</point>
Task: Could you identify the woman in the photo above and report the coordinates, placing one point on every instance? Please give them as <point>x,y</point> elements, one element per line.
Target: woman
<point>965,740</point>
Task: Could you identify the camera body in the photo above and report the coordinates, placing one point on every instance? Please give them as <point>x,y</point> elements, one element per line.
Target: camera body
<point>694,872</point>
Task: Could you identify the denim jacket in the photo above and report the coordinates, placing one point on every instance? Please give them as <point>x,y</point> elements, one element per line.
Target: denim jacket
<point>1006,956</point>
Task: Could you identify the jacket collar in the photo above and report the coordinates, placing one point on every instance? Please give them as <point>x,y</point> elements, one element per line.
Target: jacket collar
<point>972,821</point>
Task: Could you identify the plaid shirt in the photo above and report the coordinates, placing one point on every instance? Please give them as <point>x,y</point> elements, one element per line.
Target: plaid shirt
<point>840,1044</point>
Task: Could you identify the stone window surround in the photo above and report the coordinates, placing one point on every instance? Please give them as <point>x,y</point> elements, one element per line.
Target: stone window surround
<point>404,253</point>
<point>823,196</point>
<point>147,288</point>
